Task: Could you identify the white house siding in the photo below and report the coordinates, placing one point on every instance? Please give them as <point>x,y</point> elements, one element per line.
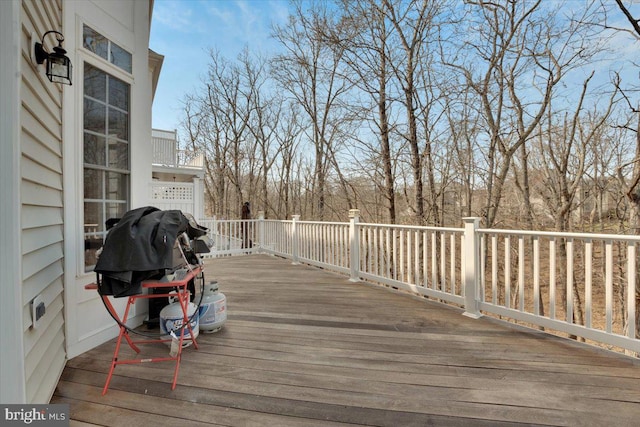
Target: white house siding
<point>41,206</point>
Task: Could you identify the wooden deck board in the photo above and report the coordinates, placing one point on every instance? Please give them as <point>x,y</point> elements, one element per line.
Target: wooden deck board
<point>306,347</point>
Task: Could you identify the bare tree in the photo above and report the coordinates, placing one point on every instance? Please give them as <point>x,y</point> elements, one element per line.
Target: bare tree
<point>362,33</point>
<point>413,24</point>
<point>286,137</point>
<point>307,70</point>
<point>518,56</point>
<point>204,133</point>
<point>263,126</point>
<point>218,118</point>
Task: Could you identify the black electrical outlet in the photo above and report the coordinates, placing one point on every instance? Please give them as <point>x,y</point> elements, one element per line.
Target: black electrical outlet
<point>40,310</point>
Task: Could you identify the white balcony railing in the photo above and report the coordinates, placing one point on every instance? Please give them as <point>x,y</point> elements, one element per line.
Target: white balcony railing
<point>166,152</point>
<point>581,284</point>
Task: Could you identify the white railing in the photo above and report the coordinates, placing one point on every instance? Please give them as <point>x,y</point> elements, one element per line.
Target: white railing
<point>529,276</point>
<point>231,237</point>
<point>166,152</point>
<point>581,284</point>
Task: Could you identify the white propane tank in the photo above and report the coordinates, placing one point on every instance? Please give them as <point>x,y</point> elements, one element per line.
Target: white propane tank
<point>172,319</point>
<point>213,309</point>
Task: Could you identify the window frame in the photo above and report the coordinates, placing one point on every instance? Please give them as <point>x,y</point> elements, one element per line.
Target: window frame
<point>109,59</point>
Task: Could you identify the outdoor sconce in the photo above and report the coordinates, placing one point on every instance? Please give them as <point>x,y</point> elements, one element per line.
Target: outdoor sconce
<point>58,64</point>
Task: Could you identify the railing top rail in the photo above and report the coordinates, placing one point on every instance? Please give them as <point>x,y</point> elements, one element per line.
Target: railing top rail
<point>591,236</point>
<point>486,231</point>
<point>163,133</point>
<point>323,222</point>
<point>227,220</point>
<point>414,227</point>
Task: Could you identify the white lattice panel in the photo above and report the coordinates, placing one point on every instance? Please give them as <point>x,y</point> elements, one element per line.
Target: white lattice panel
<point>172,192</point>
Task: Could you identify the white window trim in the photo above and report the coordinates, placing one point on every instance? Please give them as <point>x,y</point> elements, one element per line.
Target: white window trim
<point>84,55</point>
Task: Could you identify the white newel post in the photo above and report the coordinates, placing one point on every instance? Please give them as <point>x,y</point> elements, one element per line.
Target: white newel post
<point>354,245</point>
<point>294,239</point>
<point>261,243</point>
<point>471,253</point>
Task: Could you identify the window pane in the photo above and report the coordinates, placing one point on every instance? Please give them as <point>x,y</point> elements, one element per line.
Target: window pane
<point>118,124</point>
<point>118,93</point>
<point>93,233</point>
<point>95,115</point>
<point>117,186</point>
<point>120,57</point>
<point>95,82</point>
<point>116,210</point>
<point>94,150</point>
<point>93,184</point>
<point>92,242</point>
<point>94,42</point>
<point>93,220</point>
<point>118,155</point>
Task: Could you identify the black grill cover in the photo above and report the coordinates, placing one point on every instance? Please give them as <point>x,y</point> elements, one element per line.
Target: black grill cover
<point>138,247</point>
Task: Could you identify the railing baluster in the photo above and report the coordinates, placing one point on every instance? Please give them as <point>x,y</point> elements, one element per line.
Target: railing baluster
<point>401,272</point>
<point>507,272</point>
<point>452,263</point>
<point>379,251</point>
<point>494,269</point>
<point>569,281</point>
<point>434,261</point>
<point>416,258</point>
<point>536,276</point>
<point>552,278</point>
<point>632,271</point>
<point>369,249</point>
<point>609,285</point>
<point>443,262</point>
<point>521,273</point>
<point>388,264</point>
<point>409,234</point>
<point>425,259</point>
<point>588,271</point>
<point>483,266</point>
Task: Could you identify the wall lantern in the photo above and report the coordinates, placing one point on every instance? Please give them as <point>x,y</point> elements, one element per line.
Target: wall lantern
<point>58,64</point>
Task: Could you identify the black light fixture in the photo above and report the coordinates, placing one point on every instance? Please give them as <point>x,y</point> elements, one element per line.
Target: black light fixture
<point>58,64</point>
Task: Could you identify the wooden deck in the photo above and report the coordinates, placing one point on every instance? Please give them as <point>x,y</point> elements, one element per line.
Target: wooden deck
<point>306,347</point>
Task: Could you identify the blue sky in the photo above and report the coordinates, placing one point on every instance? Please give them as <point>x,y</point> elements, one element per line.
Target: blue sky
<point>184,30</point>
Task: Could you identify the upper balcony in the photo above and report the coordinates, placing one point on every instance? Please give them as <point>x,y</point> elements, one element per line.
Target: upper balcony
<point>167,155</point>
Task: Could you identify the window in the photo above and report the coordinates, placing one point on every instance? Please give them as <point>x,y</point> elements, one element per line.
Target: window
<point>95,42</point>
<point>106,155</point>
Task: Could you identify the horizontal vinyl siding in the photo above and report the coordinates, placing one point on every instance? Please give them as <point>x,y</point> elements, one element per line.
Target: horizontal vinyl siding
<point>35,238</point>
<point>44,278</point>
<point>38,216</point>
<point>46,380</point>
<point>42,207</point>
